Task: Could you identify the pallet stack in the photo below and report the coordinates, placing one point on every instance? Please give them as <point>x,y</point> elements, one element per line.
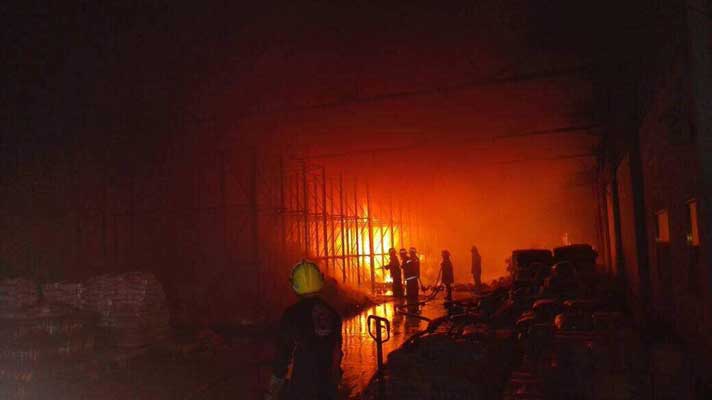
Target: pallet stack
<point>66,293</point>
<point>17,293</point>
<point>131,306</point>
<point>38,341</point>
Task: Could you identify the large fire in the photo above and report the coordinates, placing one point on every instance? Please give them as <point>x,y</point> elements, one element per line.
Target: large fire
<point>359,244</point>
<point>382,242</point>
<point>357,241</point>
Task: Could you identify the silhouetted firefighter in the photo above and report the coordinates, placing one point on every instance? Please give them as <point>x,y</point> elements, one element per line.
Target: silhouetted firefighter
<point>476,267</point>
<point>404,260</point>
<point>404,257</point>
<point>310,338</point>
<point>412,280</point>
<point>447,275</point>
<point>395,269</point>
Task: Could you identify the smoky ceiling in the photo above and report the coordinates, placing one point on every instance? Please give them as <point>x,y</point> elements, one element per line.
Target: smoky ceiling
<point>128,66</point>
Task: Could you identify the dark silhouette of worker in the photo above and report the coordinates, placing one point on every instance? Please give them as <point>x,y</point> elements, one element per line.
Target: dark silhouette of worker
<point>476,268</point>
<point>395,269</point>
<point>412,280</point>
<point>309,338</point>
<point>403,253</point>
<point>446,274</point>
<point>403,257</point>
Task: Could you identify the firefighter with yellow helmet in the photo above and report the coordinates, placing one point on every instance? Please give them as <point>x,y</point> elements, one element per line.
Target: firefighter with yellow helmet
<point>309,339</point>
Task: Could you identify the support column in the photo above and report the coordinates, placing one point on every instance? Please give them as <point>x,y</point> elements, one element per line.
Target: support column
<point>411,236</point>
<point>390,226</point>
<point>700,59</point>
<point>254,216</point>
<point>344,242</point>
<point>641,233</point>
<point>401,224</point>
<point>324,220</point>
<point>357,233</point>
<point>282,210</point>
<point>104,212</point>
<point>317,244</point>
<point>305,200</point>
<point>370,239</point>
<point>382,231</point>
<point>223,207</point>
<point>332,225</point>
<point>619,262</point>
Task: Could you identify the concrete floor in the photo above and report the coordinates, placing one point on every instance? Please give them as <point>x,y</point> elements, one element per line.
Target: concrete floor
<point>239,366</point>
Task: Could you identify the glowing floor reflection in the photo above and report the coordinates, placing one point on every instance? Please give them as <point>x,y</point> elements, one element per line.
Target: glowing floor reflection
<point>359,362</point>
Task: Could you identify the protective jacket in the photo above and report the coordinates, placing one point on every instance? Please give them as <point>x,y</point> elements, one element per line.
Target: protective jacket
<point>395,269</point>
<point>310,337</point>
<point>476,264</point>
<point>412,269</point>
<point>412,276</point>
<point>447,274</point>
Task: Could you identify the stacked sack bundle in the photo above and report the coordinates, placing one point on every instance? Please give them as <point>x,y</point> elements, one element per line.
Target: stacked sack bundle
<point>63,293</point>
<point>17,293</point>
<point>131,306</point>
<point>37,340</point>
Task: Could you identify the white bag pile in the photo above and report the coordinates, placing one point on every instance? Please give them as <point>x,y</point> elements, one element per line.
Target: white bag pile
<point>41,341</point>
<point>17,293</point>
<point>132,306</point>
<point>63,293</point>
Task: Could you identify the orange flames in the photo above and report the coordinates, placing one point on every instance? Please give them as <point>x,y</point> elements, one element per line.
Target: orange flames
<point>356,241</point>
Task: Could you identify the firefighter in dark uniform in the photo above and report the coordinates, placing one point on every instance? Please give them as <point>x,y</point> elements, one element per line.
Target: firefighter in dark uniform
<point>412,280</point>
<point>395,269</point>
<point>446,274</point>
<point>476,268</point>
<point>404,257</point>
<point>309,339</point>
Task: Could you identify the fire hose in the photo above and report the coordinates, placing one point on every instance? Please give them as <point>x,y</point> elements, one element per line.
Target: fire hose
<point>468,315</point>
<point>435,289</point>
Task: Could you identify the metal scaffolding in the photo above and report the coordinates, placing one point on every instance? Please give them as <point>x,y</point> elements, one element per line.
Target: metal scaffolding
<point>338,222</point>
<point>220,222</point>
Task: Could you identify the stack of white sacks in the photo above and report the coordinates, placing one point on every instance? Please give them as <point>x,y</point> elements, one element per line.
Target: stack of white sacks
<point>38,340</point>
<point>17,293</point>
<point>132,306</point>
<point>63,293</point>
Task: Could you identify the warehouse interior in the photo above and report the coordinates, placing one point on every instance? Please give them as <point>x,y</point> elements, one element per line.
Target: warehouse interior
<point>163,167</point>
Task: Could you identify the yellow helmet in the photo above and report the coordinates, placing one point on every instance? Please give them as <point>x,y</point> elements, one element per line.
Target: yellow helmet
<point>306,277</point>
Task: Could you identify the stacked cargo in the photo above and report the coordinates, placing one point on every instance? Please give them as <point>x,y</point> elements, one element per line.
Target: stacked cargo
<point>437,367</point>
<point>63,293</point>
<point>17,293</point>
<point>131,306</point>
<point>454,358</point>
<point>571,339</point>
<point>38,340</point>
<point>45,336</point>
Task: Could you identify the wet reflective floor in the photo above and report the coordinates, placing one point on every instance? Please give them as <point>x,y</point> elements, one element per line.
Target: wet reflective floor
<point>360,361</point>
